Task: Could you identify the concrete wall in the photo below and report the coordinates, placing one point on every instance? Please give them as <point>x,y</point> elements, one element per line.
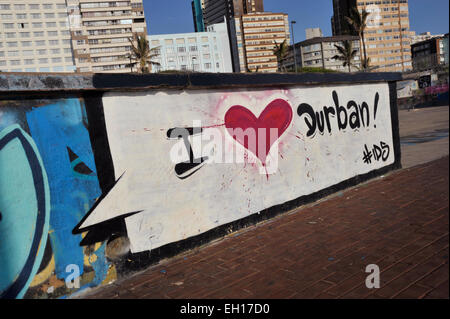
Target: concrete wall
<point>103,175</point>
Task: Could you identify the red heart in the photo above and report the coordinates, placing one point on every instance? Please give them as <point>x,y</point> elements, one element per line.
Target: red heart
<point>278,114</point>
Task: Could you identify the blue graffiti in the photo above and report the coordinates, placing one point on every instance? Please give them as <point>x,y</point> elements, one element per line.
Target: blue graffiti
<point>24,211</point>
<point>63,140</point>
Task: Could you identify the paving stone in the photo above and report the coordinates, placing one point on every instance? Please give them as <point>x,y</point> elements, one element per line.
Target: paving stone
<point>399,222</point>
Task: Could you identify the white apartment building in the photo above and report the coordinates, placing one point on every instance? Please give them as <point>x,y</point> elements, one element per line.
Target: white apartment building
<point>35,36</point>
<point>68,35</point>
<point>198,51</point>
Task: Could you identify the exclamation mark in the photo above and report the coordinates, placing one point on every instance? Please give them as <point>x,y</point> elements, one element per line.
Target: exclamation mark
<point>377,97</point>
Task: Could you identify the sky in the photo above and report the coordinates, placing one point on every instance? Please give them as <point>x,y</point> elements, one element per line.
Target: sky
<point>175,16</point>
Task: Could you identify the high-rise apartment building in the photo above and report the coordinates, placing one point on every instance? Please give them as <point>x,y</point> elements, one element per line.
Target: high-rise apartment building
<point>68,35</point>
<point>388,37</point>
<point>35,36</point>
<point>341,9</point>
<point>257,36</point>
<point>214,11</point>
<point>101,31</point>
<point>197,13</point>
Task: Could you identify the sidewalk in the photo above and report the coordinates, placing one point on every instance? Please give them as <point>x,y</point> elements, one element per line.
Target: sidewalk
<point>399,222</point>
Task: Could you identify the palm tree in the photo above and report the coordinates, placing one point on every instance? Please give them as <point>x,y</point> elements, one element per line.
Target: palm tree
<point>358,21</point>
<point>280,51</point>
<point>346,54</point>
<point>141,53</point>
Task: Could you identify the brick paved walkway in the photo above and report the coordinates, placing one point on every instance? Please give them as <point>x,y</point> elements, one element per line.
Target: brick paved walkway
<point>399,222</point>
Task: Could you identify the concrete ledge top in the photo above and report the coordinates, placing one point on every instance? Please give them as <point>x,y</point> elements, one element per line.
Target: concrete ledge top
<point>58,82</point>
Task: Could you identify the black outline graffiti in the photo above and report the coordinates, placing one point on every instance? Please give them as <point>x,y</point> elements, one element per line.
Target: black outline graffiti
<point>185,169</point>
<point>318,121</point>
<point>377,152</point>
<point>14,289</point>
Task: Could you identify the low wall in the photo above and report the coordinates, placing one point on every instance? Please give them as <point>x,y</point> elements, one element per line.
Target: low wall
<point>102,175</point>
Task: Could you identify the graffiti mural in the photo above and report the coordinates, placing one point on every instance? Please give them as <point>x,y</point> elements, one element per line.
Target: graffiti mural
<point>235,153</point>
<point>24,209</point>
<point>91,186</point>
<point>48,183</point>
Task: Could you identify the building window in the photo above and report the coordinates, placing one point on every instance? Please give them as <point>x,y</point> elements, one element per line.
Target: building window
<point>13,53</point>
<point>19,7</point>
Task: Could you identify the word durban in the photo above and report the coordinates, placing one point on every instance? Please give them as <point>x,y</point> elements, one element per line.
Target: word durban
<point>258,136</point>
<point>358,116</point>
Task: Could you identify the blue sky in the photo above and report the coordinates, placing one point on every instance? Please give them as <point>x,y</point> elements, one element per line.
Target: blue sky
<point>175,16</point>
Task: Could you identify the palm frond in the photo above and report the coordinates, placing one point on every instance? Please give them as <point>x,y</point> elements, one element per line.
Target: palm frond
<point>141,53</point>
